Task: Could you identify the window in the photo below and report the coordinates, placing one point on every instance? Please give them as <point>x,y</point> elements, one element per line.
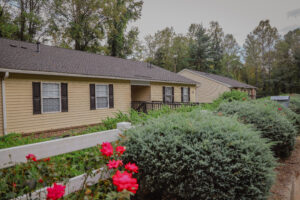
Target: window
<point>168,94</point>
<point>185,94</point>
<point>51,97</point>
<point>102,96</point>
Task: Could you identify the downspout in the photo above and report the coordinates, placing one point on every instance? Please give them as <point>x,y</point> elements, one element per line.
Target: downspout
<point>4,103</point>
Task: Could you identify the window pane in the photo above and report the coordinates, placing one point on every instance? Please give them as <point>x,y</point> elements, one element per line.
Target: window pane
<point>50,90</point>
<point>168,91</point>
<point>185,98</point>
<point>102,102</point>
<point>168,99</point>
<point>101,90</point>
<point>51,105</point>
<point>185,91</point>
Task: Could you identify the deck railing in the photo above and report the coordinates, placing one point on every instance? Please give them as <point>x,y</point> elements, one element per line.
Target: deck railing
<point>145,106</point>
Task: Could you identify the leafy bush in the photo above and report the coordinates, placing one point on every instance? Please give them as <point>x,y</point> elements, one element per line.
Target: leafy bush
<point>229,96</point>
<point>282,110</point>
<point>295,103</point>
<point>266,119</point>
<point>200,156</point>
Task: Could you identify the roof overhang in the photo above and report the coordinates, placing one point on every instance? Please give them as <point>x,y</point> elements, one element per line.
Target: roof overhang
<point>205,77</point>
<point>17,71</point>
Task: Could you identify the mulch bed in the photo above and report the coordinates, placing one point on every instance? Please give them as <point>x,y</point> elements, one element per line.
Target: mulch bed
<point>286,172</point>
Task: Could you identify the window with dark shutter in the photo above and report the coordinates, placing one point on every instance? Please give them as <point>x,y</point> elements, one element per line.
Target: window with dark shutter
<point>64,97</point>
<point>36,97</point>
<point>92,97</point>
<point>111,96</point>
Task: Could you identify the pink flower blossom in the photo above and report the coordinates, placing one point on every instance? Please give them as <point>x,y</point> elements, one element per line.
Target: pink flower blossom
<point>107,149</point>
<point>31,157</point>
<point>120,150</point>
<point>114,164</point>
<point>279,109</point>
<point>124,181</point>
<point>131,167</point>
<point>55,192</point>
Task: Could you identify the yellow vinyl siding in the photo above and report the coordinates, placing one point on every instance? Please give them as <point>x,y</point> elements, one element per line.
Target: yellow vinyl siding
<point>20,117</point>
<point>157,93</point>
<point>140,93</point>
<point>207,90</point>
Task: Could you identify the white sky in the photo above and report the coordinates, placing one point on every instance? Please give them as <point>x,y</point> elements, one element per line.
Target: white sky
<point>238,17</point>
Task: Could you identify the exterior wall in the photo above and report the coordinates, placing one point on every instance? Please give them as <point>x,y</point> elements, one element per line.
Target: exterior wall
<point>207,90</point>
<point>157,93</point>
<point>20,117</point>
<point>140,93</point>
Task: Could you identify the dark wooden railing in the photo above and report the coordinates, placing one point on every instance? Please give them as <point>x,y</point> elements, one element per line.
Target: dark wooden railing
<point>145,106</point>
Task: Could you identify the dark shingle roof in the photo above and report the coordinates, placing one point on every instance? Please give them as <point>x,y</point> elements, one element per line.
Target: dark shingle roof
<point>17,55</point>
<point>228,81</point>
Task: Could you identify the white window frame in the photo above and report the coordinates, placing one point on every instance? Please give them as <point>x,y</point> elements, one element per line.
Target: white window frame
<point>186,95</point>
<point>42,97</point>
<point>107,85</point>
<point>166,94</point>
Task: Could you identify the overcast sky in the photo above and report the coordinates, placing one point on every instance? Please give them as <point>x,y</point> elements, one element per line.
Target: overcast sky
<point>238,17</point>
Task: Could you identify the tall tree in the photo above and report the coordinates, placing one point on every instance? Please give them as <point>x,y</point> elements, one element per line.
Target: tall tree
<point>217,36</point>
<point>7,28</point>
<point>265,37</point>
<point>118,14</point>
<point>76,22</point>
<point>231,59</point>
<point>199,48</point>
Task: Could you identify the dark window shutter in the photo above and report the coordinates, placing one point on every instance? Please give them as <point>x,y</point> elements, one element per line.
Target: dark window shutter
<point>189,93</point>
<point>172,94</point>
<point>36,97</point>
<point>64,97</point>
<point>163,93</point>
<point>181,94</point>
<point>92,97</point>
<point>111,96</point>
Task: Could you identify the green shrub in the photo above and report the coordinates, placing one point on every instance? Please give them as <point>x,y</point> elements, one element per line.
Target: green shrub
<point>229,96</point>
<point>295,103</point>
<point>192,156</point>
<point>282,110</point>
<point>266,119</point>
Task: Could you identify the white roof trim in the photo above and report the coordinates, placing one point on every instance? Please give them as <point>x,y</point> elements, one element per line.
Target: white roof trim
<point>206,77</point>
<point>84,76</point>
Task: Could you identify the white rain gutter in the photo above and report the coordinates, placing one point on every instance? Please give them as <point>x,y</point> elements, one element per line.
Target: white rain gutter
<point>6,75</point>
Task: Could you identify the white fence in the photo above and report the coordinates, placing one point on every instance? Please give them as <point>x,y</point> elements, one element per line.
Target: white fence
<point>14,155</point>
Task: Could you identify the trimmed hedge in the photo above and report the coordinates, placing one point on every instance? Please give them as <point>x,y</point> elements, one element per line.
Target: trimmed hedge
<point>295,103</point>
<point>266,119</point>
<point>293,117</point>
<point>198,155</point>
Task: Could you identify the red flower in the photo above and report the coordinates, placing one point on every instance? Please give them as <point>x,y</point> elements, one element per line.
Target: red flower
<point>107,149</point>
<point>131,167</point>
<point>114,163</point>
<point>120,149</point>
<point>47,159</point>
<point>55,192</point>
<point>14,185</point>
<point>41,180</point>
<point>124,181</point>
<point>279,109</point>
<point>31,157</point>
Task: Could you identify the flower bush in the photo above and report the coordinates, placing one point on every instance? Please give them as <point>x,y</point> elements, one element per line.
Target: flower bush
<point>198,155</point>
<point>268,120</point>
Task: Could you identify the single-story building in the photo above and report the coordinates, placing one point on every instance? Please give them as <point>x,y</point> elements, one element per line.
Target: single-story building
<point>45,88</point>
<point>211,86</point>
